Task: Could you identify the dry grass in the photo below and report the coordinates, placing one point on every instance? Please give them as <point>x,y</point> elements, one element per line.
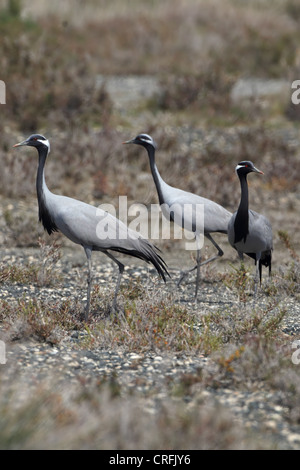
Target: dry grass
<point>246,353</point>
<point>244,343</point>
<point>52,426</point>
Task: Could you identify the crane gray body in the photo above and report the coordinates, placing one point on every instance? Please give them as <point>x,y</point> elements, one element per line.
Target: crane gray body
<point>249,232</point>
<point>82,222</point>
<point>259,238</point>
<point>215,218</point>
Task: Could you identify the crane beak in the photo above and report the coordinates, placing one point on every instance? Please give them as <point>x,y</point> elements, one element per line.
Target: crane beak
<point>128,141</point>
<point>21,143</point>
<point>256,170</point>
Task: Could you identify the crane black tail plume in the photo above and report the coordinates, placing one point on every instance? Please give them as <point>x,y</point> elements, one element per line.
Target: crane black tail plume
<point>148,253</point>
<point>157,261</point>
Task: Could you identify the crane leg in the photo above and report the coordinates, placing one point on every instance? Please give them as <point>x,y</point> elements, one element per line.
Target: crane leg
<point>198,271</point>
<point>88,252</point>
<point>183,274</point>
<point>218,255</point>
<point>256,279</point>
<point>121,270</point>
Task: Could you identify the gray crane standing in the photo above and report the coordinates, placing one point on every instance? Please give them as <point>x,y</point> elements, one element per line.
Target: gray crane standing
<point>216,217</point>
<point>79,222</point>
<point>250,233</point>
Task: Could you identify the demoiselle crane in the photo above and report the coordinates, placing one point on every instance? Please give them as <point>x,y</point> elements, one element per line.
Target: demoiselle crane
<point>91,227</point>
<point>215,218</point>
<point>249,232</point>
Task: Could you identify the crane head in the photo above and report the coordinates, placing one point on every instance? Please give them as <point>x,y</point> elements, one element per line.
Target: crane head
<point>142,139</point>
<point>35,140</point>
<point>245,167</point>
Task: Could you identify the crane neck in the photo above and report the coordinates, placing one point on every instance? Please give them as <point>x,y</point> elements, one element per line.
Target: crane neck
<point>159,182</point>
<point>241,224</point>
<point>40,177</point>
<point>43,193</point>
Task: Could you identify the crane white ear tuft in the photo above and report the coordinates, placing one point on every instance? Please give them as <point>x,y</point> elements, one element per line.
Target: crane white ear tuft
<point>45,142</point>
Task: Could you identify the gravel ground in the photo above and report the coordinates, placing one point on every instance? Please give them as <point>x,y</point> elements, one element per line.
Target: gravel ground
<point>148,374</point>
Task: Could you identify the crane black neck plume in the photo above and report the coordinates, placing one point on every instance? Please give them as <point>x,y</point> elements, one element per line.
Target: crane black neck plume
<point>241,224</point>
<point>44,214</point>
<point>151,153</point>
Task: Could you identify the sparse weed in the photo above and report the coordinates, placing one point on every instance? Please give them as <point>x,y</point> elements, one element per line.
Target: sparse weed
<point>40,273</point>
<point>149,323</point>
<point>236,324</point>
<point>19,274</point>
<point>249,366</point>
<point>288,277</point>
<point>286,240</point>
<point>228,363</point>
<point>133,290</point>
<point>240,281</point>
<point>42,321</point>
<point>49,257</point>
